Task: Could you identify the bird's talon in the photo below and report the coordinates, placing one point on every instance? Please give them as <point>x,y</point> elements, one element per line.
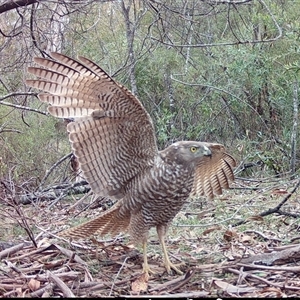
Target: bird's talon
<point>147,270</point>
<point>170,266</point>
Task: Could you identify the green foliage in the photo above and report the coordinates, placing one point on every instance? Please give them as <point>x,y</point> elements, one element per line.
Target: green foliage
<point>234,93</point>
<point>29,144</point>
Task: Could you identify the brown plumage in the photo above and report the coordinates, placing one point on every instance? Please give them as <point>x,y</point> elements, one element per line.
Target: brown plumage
<point>114,141</point>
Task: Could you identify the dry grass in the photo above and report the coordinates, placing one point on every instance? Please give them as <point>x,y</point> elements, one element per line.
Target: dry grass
<point>203,236</point>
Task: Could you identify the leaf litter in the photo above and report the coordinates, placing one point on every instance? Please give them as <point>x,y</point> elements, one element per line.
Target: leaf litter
<point>257,258</point>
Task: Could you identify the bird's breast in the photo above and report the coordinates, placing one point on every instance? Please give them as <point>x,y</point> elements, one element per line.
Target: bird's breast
<point>162,192</point>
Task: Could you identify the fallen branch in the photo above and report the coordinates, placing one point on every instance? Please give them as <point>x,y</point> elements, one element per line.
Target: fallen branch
<point>281,257</point>
<point>46,290</point>
<point>266,238</point>
<point>245,274</point>
<point>174,284</point>
<point>276,209</point>
<point>56,193</point>
<point>187,277</point>
<point>7,252</point>
<point>295,269</point>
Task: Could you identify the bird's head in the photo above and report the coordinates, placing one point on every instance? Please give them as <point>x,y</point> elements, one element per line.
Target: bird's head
<point>185,151</point>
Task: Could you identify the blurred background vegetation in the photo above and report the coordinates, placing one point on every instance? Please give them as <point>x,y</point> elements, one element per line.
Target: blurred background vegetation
<point>219,71</point>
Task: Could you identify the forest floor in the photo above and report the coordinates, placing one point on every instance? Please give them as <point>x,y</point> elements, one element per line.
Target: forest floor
<point>245,243</point>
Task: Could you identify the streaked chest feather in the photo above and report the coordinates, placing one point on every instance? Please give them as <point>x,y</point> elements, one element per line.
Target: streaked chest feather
<point>165,185</point>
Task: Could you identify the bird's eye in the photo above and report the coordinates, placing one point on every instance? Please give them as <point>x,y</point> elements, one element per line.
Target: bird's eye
<point>193,149</point>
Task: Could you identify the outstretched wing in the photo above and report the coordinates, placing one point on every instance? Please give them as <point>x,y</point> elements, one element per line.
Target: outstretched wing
<point>112,135</point>
<point>213,173</point>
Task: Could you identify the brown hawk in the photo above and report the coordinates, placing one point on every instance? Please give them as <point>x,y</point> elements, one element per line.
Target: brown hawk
<point>114,141</point>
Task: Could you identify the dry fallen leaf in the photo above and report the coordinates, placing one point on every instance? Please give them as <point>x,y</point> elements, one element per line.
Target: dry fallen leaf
<point>245,238</point>
<point>18,290</point>
<point>272,292</point>
<point>229,288</point>
<point>34,284</point>
<point>256,218</point>
<point>140,284</point>
<point>279,192</point>
<point>211,229</point>
<point>229,235</point>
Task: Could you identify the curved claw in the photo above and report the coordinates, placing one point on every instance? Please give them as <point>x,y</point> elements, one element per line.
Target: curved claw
<point>147,270</point>
<point>170,266</point>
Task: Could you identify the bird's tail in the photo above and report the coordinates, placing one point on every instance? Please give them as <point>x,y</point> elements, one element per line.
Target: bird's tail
<point>110,221</point>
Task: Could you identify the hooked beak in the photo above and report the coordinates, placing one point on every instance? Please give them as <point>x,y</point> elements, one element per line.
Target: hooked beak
<point>207,151</point>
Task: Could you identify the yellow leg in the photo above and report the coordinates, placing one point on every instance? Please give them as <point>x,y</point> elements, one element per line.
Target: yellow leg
<point>146,268</point>
<point>161,232</point>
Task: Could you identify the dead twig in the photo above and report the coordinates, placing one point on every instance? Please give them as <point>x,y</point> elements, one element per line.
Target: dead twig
<point>64,288</point>
<point>275,209</point>
<point>113,284</point>
<point>165,285</point>
<point>52,168</point>
<point>187,277</point>
<point>295,269</point>
<point>21,106</point>
<point>263,235</point>
<point>12,250</point>
<point>22,219</point>
<point>46,290</point>
<point>270,283</point>
<point>201,294</point>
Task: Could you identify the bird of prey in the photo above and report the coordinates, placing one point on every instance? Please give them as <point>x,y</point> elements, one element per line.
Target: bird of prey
<point>114,140</point>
